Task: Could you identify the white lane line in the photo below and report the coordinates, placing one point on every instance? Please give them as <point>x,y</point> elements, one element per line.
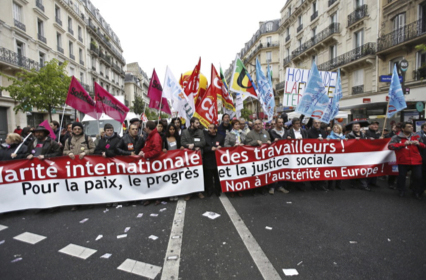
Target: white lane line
<point>77,251</point>
<point>172,259</point>
<point>2,227</point>
<point>29,237</point>
<point>140,268</point>
<point>262,262</point>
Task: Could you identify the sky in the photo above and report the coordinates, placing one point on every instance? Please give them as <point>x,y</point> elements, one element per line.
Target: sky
<point>162,33</point>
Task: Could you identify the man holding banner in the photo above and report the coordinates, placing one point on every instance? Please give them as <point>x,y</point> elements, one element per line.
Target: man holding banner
<point>43,146</point>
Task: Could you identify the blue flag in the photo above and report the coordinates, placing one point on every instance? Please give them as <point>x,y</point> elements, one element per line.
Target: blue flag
<point>396,96</point>
<point>269,75</point>
<point>333,104</point>
<point>314,100</point>
<point>266,93</point>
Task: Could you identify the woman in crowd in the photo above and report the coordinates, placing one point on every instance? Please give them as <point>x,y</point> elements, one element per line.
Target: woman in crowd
<point>178,124</point>
<point>7,152</point>
<point>336,134</point>
<point>235,138</point>
<point>99,136</point>
<point>171,142</point>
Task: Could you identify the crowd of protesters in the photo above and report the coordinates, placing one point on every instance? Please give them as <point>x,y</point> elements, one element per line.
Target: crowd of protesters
<point>151,139</point>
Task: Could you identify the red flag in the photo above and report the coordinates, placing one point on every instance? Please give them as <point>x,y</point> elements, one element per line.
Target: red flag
<point>165,106</point>
<point>46,125</point>
<point>106,103</point>
<point>80,100</point>
<point>144,118</point>
<point>154,91</point>
<point>191,90</point>
<point>206,110</point>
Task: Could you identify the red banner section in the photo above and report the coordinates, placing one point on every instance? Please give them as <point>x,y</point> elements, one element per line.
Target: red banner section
<point>60,181</point>
<point>246,167</point>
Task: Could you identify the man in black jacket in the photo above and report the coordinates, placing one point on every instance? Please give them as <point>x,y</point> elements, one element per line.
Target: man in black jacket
<point>43,147</point>
<point>225,125</point>
<point>214,141</point>
<point>315,132</point>
<point>296,131</point>
<point>373,131</point>
<point>107,146</point>
<point>131,143</point>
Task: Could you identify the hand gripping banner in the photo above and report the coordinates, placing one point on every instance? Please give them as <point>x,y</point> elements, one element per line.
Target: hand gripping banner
<point>246,167</point>
<point>26,184</point>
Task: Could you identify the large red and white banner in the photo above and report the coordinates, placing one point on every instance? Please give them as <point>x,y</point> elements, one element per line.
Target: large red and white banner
<point>27,184</point>
<point>246,167</point>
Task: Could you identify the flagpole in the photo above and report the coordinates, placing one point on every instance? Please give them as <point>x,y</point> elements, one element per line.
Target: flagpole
<point>96,108</point>
<point>384,124</point>
<point>60,126</point>
<point>23,141</point>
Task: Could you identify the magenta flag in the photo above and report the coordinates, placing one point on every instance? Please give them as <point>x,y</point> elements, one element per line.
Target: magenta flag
<point>165,106</point>
<point>106,103</point>
<point>80,100</point>
<point>154,92</point>
<point>46,125</point>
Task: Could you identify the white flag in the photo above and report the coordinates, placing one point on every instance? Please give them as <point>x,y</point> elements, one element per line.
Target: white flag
<point>173,91</point>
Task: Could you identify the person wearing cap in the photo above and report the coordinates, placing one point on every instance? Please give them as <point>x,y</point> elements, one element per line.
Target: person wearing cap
<point>107,146</point>
<point>43,147</point>
<point>79,144</point>
<point>373,131</point>
<point>316,132</point>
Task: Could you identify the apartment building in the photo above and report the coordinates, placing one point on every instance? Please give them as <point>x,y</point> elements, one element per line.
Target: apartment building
<point>138,80</point>
<point>32,32</point>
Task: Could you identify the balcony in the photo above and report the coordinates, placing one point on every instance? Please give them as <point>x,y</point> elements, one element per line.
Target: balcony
<point>320,37</point>
<point>314,15</point>
<point>94,49</point>
<point>70,31</point>
<point>331,2</point>
<point>419,74</point>
<point>80,38</point>
<point>105,58</point>
<point>61,50</point>
<point>13,58</point>
<point>72,56</point>
<point>116,68</point>
<point>299,28</point>
<point>279,86</point>
<point>287,60</point>
<point>41,38</point>
<point>357,15</point>
<point>81,62</point>
<point>39,5</point>
<point>287,38</point>
<point>357,89</point>
<point>414,32</point>
<point>93,68</point>
<point>58,21</point>
<point>353,55</point>
<point>20,25</point>
<point>102,73</point>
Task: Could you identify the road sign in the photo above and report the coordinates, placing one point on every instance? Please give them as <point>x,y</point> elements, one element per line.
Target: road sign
<point>388,78</point>
<point>403,64</point>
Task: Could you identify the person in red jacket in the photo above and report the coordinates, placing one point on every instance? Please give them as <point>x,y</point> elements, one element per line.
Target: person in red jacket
<point>406,145</point>
<point>154,143</point>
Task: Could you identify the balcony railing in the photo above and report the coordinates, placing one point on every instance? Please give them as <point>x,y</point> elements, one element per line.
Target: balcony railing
<point>116,68</point>
<point>72,56</point>
<point>41,38</point>
<point>105,58</point>
<point>102,73</point>
<point>58,21</point>
<point>20,25</point>
<point>18,60</point>
<point>331,29</point>
<point>280,86</point>
<point>358,14</point>
<point>94,49</point>
<point>70,30</point>
<point>331,2</point>
<point>93,68</point>
<point>357,53</point>
<point>314,15</point>
<point>60,49</point>
<point>300,27</point>
<point>39,5</point>
<point>401,35</point>
<point>358,89</point>
<point>287,60</point>
<point>81,62</point>
<point>287,38</point>
<point>80,38</point>
<point>419,74</point>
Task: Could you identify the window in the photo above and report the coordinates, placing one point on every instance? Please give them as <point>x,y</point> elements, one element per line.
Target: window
<point>269,26</point>
<point>17,12</point>
<point>288,52</point>
<point>268,57</point>
<point>299,20</point>
<point>421,60</point>
<point>314,6</point>
<point>59,39</point>
<point>333,52</point>
<point>20,50</point>
<point>268,41</point>
<point>359,38</point>
<point>333,18</point>
<point>94,63</point>
<point>358,81</point>
<point>71,48</point>
<point>289,11</point>
<point>71,71</point>
<point>393,62</point>
<point>80,34</point>
<point>359,3</point>
<point>70,24</point>
<point>314,32</point>
<point>300,43</point>
<point>288,31</point>
<point>40,27</point>
<point>398,28</point>
<point>57,12</point>
<point>82,77</point>
<point>80,54</point>
<point>42,58</point>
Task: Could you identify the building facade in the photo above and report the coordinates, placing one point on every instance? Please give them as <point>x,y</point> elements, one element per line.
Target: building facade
<point>136,83</point>
<point>32,32</point>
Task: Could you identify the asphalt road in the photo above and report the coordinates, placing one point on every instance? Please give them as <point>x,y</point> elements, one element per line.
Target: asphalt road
<point>350,234</point>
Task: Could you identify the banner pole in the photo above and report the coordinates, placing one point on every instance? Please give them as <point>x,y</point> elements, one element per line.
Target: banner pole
<point>60,126</point>
<point>384,124</point>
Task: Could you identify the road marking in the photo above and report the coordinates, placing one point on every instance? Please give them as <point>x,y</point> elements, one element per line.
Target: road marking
<point>172,259</point>
<point>262,262</point>
<point>77,251</point>
<point>2,227</point>
<point>139,268</point>
<point>29,237</point>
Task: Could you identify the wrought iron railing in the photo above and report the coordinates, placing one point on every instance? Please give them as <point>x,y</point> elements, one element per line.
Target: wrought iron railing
<point>20,25</point>
<point>287,38</point>
<point>107,59</point>
<point>13,58</point>
<point>80,38</point>
<point>39,5</point>
<point>107,77</point>
<point>94,49</point>
<point>314,15</point>
<point>331,2</point>
<point>355,54</point>
<point>41,38</point>
<point>102,73</point>
<point>331,29</point>
<point>81,62</point>
<point>58,21</point>
<point>401,35</point>
<point>93,68</point>
<point>358,89</point>
<point>300,27</point>
<point>72,56</point>
<point>70,30</point>
<point>358,14</point>
<point>61,50</point>
<point>287,60</point>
